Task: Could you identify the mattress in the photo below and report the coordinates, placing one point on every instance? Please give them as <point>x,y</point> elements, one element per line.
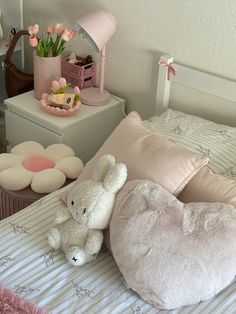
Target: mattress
<point>32,269</point>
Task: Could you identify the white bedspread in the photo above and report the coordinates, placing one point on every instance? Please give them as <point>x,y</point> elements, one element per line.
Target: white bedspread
<point>31,268</point>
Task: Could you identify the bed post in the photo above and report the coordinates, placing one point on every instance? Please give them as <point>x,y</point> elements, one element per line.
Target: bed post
<point>163,85</point>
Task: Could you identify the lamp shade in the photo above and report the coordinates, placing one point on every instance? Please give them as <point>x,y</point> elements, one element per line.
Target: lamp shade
<point>96,28</point>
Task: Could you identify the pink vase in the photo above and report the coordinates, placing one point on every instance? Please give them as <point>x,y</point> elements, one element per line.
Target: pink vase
<point>46,70</point>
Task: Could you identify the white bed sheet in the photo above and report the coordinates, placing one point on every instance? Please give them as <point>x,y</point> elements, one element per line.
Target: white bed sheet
<point>31,268</point>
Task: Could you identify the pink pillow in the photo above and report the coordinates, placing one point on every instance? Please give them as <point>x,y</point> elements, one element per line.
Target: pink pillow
<point>207,186</point>
<point>148,155</point>
<point>172,254</point>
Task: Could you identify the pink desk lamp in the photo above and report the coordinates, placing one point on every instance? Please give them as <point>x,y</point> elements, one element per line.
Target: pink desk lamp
<point>96,28</point>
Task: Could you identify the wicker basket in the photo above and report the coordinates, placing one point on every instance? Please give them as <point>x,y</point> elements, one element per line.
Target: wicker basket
<point>82,76</point>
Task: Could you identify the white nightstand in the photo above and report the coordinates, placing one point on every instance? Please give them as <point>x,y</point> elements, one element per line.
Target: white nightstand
<point>85,132</point>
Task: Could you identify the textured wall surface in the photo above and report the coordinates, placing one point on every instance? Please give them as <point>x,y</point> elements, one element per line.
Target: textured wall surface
<point>201,34</point>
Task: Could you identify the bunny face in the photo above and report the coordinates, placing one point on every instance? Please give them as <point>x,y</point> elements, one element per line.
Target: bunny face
<point>91,202</point>
<point>82,200</point>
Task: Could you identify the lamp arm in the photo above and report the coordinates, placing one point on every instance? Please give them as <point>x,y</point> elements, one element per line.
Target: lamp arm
<point>102,68</point>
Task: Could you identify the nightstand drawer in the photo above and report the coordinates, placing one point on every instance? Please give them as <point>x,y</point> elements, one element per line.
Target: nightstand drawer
<point>19,129</point>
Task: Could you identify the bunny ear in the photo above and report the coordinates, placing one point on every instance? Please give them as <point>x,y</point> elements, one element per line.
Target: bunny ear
<point>115,178</point>
<point>63,197</point>
<point>104,164</point>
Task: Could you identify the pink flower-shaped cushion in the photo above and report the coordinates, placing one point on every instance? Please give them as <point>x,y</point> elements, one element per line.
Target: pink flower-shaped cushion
<point>44,169</point>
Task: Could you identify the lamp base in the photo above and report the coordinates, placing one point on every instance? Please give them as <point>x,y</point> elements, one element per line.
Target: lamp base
<point>91,96</point>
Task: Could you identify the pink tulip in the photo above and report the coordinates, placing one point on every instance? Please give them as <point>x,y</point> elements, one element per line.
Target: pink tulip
<point>55,85</point>
<point>33,29</point>
<point>50,29</point>
<point>62,82</point>
<point>59,28</point>
<point>33,41</point>
<point>68,34</point>
<point>76,90</point>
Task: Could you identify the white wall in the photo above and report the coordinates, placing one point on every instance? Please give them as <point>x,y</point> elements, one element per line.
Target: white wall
<point>199,33</point>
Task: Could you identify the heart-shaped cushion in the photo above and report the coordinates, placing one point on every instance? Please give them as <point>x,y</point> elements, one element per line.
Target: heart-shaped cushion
<point>172,254</point>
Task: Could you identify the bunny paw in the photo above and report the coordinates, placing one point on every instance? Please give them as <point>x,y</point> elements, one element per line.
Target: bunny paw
<point>54,238</point>
<point>76,256</point>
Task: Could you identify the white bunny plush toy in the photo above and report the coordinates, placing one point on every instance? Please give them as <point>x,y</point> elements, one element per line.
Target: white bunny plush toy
<point>78,230</point>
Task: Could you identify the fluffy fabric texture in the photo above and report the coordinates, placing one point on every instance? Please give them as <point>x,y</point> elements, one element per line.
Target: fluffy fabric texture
<point>172,254</point>
<point>37,163</point>
<point>11,303</point>
<point>45,170</point>
<point>47,181</point>
<point>89,207</point>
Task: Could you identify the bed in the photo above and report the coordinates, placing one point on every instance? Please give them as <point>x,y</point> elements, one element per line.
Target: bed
<point>33,270</point>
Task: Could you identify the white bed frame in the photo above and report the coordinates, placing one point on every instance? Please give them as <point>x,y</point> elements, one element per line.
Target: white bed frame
<point>208,83</point>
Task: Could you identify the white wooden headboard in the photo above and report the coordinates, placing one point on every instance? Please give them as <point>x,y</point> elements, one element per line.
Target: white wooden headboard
<point>210,84</point>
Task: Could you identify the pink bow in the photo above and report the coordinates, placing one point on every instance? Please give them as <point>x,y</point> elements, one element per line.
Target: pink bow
<point>171,69</point>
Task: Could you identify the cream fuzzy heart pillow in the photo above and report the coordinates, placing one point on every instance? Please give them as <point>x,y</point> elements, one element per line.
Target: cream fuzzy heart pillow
<point>172,254</point>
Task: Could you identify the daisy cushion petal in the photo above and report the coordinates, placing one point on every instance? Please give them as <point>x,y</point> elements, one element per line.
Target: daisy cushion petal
<point>70,166</point>
<point>15,178</point>
<point>47,181</point>
<point>9,161</point>
<point>56,152</point>
<point>28,148</point>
